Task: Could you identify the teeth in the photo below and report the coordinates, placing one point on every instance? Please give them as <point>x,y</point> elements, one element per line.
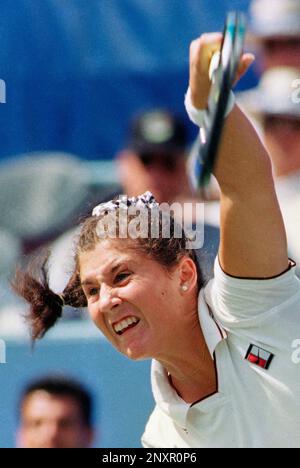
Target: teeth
<point>121,326</point>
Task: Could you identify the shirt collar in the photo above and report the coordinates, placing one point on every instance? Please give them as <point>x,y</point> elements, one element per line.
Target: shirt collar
<point>212,330</point>
<point>166,397</point>
<point>164,394</point>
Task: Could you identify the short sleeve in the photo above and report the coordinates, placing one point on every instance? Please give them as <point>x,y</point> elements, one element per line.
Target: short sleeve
<point>239,302</point>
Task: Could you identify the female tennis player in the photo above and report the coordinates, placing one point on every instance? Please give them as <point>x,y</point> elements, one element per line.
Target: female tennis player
<point>223,373</point>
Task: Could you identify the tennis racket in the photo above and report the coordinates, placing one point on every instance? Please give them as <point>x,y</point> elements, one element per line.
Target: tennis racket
<point>223,73</point>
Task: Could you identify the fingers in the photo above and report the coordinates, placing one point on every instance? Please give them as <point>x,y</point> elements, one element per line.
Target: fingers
<point>245,64</point>
<point>201,52</point>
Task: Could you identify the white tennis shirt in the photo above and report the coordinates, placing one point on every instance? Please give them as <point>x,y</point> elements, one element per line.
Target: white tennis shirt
<point>252,329</point>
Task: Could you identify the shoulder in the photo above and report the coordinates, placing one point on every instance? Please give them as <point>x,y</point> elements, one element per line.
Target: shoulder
<point>240,302</point>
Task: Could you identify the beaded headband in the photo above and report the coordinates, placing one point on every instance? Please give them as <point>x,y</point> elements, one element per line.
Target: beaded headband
<point>146,200</point>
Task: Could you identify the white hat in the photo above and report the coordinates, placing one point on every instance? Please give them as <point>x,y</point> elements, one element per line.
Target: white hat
<point>278,93</point>
<point>273,18</point>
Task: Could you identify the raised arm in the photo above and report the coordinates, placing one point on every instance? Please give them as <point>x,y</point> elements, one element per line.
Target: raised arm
<point>253,240</point>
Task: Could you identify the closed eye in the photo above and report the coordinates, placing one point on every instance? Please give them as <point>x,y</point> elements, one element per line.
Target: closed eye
<point>121,277</point>
<point>94,291</point>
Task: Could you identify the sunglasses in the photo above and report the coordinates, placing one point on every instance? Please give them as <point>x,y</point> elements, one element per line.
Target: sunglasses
<point>166,161</point>
<point>272,45</point>
<point>277,122</point>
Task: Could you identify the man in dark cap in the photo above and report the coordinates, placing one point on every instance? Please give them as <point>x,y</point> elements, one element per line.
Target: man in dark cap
<point>155,158</point>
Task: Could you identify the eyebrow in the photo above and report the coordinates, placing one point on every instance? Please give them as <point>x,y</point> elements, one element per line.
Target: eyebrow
<point>112,271</point>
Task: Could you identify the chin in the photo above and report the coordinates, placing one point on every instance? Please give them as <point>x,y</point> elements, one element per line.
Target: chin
<point>135,354</point>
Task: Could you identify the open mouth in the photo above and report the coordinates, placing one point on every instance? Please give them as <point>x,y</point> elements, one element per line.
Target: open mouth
<point>124,325</point>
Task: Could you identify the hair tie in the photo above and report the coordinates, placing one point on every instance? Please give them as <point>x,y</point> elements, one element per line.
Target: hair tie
<point>146,200</point>
<point>61,300</point>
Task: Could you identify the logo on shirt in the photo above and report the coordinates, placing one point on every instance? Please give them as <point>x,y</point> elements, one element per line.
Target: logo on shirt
<point>259,356</point>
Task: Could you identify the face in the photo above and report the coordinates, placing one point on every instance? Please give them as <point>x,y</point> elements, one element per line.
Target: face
<point>162,174</point>
<point>282,138</point>
<point>49,421</point>
<point>284,52</point>
<point>132,299</point>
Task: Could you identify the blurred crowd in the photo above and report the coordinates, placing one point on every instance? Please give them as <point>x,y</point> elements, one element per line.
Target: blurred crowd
<point>275,103</point>
<point>43,195</point>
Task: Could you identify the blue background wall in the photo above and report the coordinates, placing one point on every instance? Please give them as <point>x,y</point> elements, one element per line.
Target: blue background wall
<point>76,70</point>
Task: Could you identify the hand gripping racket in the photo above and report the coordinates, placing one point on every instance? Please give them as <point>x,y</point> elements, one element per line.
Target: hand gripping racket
<point>224,66</point>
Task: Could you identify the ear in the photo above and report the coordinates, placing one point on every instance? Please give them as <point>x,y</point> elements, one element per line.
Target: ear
<point>187,274</point>
<point>91,435</point>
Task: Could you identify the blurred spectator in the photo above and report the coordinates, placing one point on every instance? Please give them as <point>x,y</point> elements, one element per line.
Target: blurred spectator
<point>155,159</point>
<point>275,32</point>
<point>275,104</point>
<point>55,413</point>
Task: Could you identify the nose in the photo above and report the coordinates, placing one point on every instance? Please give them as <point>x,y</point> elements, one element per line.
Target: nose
<point>53,431</point>
<point>108,299</point>
<point>48,435</point>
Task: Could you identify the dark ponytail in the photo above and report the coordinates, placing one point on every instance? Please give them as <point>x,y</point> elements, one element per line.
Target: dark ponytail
<point>46,307</point>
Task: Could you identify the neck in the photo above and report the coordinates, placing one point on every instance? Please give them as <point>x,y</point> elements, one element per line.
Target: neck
<point>192,371</point>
